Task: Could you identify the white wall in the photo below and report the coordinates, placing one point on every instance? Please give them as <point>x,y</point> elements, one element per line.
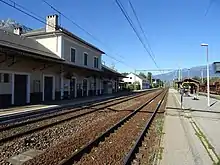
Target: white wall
<point>52,43</point>
<point>132,78</point>
<point>69,43</point>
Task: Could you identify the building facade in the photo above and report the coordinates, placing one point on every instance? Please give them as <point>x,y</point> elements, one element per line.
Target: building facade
<point>50,64</point>
<point>131,78</point>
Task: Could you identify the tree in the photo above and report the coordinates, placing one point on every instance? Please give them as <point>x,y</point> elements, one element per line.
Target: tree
<point>142,75</point>
<point>196,78</point>
<point>137,85</point>
<point>125,74</point>
<point>149,77</point>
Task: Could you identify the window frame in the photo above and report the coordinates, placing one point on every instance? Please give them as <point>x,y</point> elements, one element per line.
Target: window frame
<point>94,63</point>
<point>71,54</point>
<point>3,79</point>
<point>85,53</point>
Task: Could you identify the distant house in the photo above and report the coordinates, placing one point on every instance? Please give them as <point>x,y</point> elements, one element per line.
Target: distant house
<point>131,78</point>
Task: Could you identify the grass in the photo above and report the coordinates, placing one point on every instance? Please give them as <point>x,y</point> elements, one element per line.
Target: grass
<point>201,136</point>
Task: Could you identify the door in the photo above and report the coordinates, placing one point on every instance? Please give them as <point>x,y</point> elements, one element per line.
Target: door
<point>85,87</point>
<point>72,88</point>
<point>48,88</point>
<point>20,89</point>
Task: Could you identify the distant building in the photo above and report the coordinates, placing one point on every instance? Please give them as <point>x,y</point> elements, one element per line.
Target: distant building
<point>131,78</point>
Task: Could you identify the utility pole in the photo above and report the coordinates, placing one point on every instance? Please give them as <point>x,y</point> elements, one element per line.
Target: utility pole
<point>207,69</point>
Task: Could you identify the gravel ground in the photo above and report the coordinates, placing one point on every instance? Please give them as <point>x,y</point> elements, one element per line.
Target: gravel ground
<point>60,112</point>
<point>149,151</point>
<point>56,153</point>
<point>24,128</point>
<point>42,140</point>
<point>117,145</point>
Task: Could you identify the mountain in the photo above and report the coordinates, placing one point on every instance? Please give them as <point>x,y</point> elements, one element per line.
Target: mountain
<point>9,25</point>
<point>194,71</point>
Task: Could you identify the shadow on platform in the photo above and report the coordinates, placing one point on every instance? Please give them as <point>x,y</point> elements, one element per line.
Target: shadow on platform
<point>196,110</point>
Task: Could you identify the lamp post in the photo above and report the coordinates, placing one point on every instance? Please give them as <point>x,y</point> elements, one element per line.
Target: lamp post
<point>207,59</point>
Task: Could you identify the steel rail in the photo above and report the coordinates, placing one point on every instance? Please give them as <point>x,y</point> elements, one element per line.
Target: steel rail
<point>7,119</point>
<point>87,148</point>
<point>65,111</point>
<point>131,155</point>
<point>17,135</point>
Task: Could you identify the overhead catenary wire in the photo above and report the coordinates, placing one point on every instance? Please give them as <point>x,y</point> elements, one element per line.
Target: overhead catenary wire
<point>38,18</point>
<point>140,26</point>
<point>208,8</point>
<point>135,30</point>
<point>24,12</point>
<point>77,25</point>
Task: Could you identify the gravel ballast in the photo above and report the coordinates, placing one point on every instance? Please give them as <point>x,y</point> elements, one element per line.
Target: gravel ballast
<point>49,138</point>
<point>118,144</point>
<point>56,153</point>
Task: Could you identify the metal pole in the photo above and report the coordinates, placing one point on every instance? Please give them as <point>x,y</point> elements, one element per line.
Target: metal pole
<point>202,75</point>
<point>208,92</point>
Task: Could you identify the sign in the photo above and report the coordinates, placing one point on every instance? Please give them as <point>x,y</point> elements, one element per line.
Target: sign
<point>217,67</point>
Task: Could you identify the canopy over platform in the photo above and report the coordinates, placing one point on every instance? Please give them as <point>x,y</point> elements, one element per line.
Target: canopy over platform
<point>191,82</point>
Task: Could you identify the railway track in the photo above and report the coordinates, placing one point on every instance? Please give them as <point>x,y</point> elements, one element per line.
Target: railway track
<point>76,129</point>
<point>135,149</point>
<point>113,140</point>
<point>61,140</point>
<point>27,127</point>
<point>50,112</point>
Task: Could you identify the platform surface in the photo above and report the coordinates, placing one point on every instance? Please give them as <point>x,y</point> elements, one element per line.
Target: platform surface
<point>181,143</point>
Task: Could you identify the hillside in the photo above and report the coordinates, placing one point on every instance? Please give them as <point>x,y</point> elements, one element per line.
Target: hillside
<point>194,71</point>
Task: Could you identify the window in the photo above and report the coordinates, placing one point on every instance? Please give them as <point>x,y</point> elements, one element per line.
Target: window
<point>4,77</point>
<point>85,58</point>
<point>130,77</point>
<point>73,55</point>
<point>96,62</point>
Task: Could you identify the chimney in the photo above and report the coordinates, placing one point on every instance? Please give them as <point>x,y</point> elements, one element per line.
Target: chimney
<point>52,23</point>
<point>18,30</point>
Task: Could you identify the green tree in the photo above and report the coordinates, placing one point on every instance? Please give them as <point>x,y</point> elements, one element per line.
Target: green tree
<point>197,78</point>
<point>137,85</point>
<point>142,75</point>
<point>125,74</point>
<point>149,77</point>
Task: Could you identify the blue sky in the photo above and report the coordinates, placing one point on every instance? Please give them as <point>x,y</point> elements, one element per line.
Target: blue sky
<point>174,28</point>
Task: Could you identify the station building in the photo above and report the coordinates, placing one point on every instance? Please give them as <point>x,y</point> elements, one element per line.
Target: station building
<point>51,64</point>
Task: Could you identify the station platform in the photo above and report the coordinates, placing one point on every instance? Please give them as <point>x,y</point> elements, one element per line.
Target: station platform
<point>191,134</point>
<point>211,95</point>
